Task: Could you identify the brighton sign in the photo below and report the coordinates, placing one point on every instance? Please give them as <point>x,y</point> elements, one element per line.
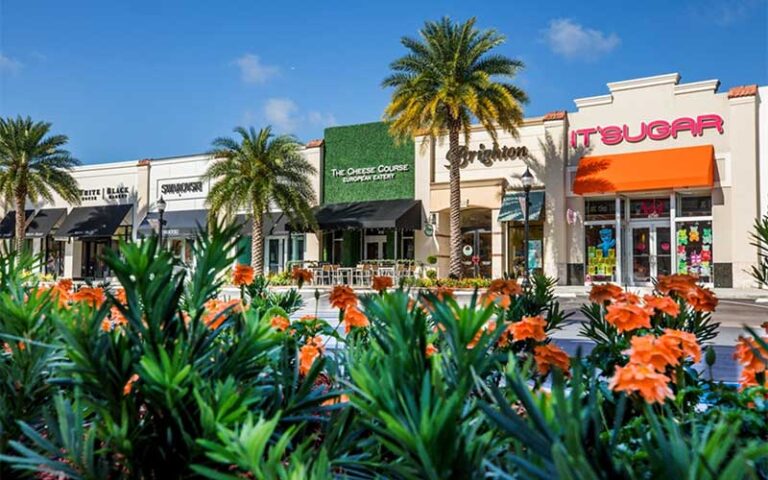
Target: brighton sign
<point>654,130</point>
<point>486,156</point>
<point>379,173</point>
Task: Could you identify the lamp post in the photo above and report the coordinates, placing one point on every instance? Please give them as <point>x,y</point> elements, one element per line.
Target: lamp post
<point>161,210</point>
<point>527,179</point>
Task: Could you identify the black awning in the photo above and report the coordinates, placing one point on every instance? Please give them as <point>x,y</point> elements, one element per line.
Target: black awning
<point>44,221</point>
<point>8,225</point>
<point>274,223</point>
<point>179,224</point>
<point>101,221</point>
<point>395,214</point>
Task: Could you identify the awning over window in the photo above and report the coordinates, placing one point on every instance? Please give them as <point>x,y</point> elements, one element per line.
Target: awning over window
<point>8,225</point>
<point>44,221</point>
<point>394,214</point>
<point>652,170</point>
<point>101,221</point>
<point>178,224</point>
<point>513,207</point>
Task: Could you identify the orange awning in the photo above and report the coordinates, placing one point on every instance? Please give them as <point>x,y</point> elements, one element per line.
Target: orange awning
<point>653,170</point>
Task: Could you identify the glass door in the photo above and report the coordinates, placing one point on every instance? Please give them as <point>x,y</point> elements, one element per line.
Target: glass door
<point>275,254</point>
<point>641,255</point>
<point>476,253</point>
<point>651,252</point>
<point>375,247</point>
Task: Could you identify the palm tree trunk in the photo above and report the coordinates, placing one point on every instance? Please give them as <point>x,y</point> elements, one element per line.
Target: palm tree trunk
<point>455,269</point>
<point>257,243</point>
<point>21,219</point>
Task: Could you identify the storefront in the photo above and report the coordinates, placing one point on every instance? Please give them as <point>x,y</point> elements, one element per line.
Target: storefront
<point>664,179</point>
<point>368,213</point>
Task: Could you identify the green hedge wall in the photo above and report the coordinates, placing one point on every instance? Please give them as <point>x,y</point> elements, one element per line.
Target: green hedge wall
<point>366,145</point>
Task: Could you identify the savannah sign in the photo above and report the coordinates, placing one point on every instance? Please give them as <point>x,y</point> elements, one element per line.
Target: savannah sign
<point>654,130</point>
<point>486,156</point>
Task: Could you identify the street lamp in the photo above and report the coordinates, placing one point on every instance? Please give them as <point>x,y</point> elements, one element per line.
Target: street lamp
<point>161,210</point>
<point>527,179</point>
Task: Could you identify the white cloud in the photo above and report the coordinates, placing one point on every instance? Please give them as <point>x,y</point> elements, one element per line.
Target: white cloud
<point>8,64</point>
<point>282,113</point>
<point>321,119</point>
<point>253,71</point>
<point>573,41</point>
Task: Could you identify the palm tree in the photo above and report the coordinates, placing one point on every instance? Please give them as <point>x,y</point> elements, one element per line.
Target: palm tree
<point>257,171</point>
<point>447,79</point>
<point>34,165</point>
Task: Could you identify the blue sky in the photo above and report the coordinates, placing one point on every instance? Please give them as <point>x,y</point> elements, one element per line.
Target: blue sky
<point>148,79</point>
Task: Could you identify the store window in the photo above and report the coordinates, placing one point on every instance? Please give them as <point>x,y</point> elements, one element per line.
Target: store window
<point>516,241</point>
<point>601,210</point>
<point>407,246</point>
<point>694,205</point>
<point>54,251</point>
<point>601,252</point>
<point>650,208</point>
<point>694,249</point>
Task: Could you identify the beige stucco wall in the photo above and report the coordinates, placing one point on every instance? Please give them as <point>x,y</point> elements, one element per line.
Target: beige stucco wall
<point>314,156</point>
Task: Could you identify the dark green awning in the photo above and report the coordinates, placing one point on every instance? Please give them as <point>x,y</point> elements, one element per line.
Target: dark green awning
<point>513,203</point>
<point>178,223</point>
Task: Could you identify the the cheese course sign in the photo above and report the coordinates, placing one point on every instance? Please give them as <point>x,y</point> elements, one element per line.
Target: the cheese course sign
<point>379,173</point>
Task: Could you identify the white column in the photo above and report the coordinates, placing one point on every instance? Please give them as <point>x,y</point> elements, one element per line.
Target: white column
<point>497,257</point>
<point>619,246</point>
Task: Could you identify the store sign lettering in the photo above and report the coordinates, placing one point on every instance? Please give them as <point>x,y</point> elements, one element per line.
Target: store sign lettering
<point>486,156</point>
<point>108,193</point>
<point>379,173</point>
<point>181,189</point>
<point>655,130</point>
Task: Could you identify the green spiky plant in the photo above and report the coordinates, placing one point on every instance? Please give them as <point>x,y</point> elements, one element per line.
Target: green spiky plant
<point>451,76</point>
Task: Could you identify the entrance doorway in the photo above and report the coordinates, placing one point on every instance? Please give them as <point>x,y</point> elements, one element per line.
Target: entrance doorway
<point>650,245</point>
<point>274,254</point>
<point>476,245</point>
<point>93,265</point>
<point>375,247</point>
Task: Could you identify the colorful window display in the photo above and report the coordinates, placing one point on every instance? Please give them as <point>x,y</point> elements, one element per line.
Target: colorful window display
<point>649,208</point>
<point>601,253</point>
<point>694,249</point>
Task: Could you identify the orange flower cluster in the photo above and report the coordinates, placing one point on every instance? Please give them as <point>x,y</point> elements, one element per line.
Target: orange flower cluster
<point>666,305</point>
<point>308,353</point>
<point>505,287</point>
<point>549,355</point>
<point>301,275</point>
<point>343,297</point>
<point>354,318</point>
<point>627,316</point>
<point>503,301</point>
<point>92,296</point>
<point>242,275</point>
<point>381,283</point>
<point>529,328</point>
<point>280,323</point>
<point>214,307</point>
<point>116,318</point>
<point>128,387</point>
<point>649,359</point>
<point>602,293</point>
<point>430,350</point>
<point>684,286</point>
<point>643,379</point>
<point>753,359</point>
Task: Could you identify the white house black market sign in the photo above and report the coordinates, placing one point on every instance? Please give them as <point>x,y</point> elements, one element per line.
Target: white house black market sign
<point>486,156</point>
<point>108,193</point>
<point>379,173</point>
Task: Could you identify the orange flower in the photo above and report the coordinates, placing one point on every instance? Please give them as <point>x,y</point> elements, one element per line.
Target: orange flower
<point>746,352</point>
<point>65,284</point>
<point>213,318</point>
<point>443,293</point>
<point>502,300</point>
<point>129,384</point>
<point>430,350</point>
<point>382,283</point>
<point>301,275</point>
<point>649,350</point>
<point>606,292</point>
<point>666,305</point>
<point>627,316</point>
<point>505,287</point>
<point>343,297</point>
<point>684,343</point>
<point>308,318</point>
<point>242,275</point>
<point>634,377</point>
<point>93,296</point>
<point>280,323</point>
<point>120,296</point>
<point>676,283</point>
<point>529,327</point>
<point>702,299</point>
<point>106,325</point>
<point>550,355</point>
<point>748,379</point>
<point>354,318</point>
<point>308,353</point>
<point>628,297</point>
<point>343,398</point>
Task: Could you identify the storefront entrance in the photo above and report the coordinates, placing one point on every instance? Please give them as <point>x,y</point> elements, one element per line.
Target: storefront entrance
<point>375,247</point>
<point>476,249</point>
<point>93,265</point>
<point>274,254</point>
<point>651,252</point>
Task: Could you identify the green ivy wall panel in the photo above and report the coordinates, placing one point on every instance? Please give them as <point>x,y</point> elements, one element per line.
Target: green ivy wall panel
<point>363,162</point>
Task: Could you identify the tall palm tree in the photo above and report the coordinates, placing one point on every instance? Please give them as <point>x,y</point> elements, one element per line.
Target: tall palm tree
<point>34,165</point>
<point>258,170</point>
<point>447,79</point>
